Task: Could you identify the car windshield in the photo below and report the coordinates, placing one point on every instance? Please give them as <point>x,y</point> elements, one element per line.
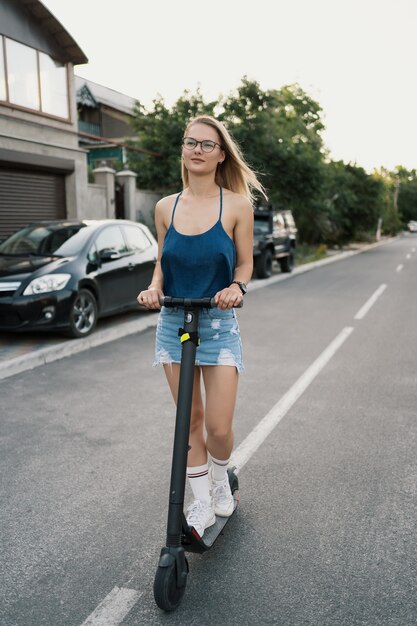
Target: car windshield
<point>46,240</point>
<point>261,226</point>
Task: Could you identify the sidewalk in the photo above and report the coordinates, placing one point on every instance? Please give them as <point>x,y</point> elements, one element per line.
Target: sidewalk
<point>19,353</point>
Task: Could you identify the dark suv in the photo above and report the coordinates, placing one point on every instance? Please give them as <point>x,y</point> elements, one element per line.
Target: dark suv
<point>275,235</point>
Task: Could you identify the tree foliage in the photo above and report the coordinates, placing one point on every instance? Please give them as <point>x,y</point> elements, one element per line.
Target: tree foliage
<point>160,130</point>
<point>279,132</point>
<point>407,193</point>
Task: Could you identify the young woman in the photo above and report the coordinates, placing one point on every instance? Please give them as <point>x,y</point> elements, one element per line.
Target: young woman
<point>205,240</point>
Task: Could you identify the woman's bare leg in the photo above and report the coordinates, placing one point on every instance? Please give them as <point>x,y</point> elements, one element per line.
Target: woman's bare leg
<point>198,453</point>
<point>220,382</point>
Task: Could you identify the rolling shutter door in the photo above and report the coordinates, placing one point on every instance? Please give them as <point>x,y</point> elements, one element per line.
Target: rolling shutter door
<point>29,196</point>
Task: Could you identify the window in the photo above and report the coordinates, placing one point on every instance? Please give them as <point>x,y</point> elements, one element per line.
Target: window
<point>111,238</point>
<point>2,73</point>
<point>32,79</point>
<point>22,75</point>
<point>54,89</point>
<point>136,238</point>
<point>92,255</point>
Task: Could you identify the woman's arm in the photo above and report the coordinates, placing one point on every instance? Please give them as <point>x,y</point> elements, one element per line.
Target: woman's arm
<point>243,238</point>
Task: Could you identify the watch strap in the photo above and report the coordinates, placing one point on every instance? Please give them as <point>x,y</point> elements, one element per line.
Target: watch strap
<point>240,285</point>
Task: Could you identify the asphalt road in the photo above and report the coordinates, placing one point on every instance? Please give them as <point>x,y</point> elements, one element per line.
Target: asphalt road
<point>325,533</point>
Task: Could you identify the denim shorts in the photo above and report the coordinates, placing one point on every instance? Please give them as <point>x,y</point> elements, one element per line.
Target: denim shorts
<point>218,331</point>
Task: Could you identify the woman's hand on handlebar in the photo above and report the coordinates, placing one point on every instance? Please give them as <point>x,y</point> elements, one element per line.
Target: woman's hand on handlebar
<point>150,298</point>
<point>228,298</point>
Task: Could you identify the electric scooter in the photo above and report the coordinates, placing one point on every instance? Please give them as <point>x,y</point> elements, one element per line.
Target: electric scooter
<point>171,575</point>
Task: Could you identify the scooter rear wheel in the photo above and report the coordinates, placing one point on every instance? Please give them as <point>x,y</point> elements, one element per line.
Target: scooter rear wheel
<point>166,592</point>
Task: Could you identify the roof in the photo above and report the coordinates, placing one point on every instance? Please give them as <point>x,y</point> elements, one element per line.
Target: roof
<point>49,23</point>
<point>91,94</point>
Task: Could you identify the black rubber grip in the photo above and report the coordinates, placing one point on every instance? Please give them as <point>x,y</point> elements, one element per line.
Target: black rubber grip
<point>198,303</point>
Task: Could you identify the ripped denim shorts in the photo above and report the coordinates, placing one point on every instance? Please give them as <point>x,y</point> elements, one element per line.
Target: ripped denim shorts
<point>219,334</point>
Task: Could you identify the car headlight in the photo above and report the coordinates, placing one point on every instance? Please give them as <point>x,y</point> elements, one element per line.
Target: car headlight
<point>44,284</point>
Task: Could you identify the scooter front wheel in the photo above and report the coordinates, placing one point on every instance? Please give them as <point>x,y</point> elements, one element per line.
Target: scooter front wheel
<point>166,591</point>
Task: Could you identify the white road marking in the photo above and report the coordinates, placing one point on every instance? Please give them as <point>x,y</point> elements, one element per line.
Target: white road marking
<point>400,267</point>
<point>413,249</point>
<point>364,310</point>
<point>262,430</point>
<point>114,608</point>
<point>408,256</point>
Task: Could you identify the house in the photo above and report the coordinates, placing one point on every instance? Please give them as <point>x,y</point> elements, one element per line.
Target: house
<point>104,117</point>
<point>43,170</point>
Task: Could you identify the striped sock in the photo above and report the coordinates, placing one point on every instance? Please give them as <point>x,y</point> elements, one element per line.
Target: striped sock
<point>199,482</point>
<point>219,469</point>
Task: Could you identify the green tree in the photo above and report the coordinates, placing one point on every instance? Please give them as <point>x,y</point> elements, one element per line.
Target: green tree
<point>279,133</point>
<point>391,222</point>
<point>354,200</point>
<point>407,193</point>
<point>160,131</point>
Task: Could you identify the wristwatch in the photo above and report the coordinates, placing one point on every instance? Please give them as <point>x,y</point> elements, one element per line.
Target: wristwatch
<point>242,286</point>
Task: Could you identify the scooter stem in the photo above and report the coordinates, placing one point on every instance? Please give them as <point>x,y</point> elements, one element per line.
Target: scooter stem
<point>182,431</point>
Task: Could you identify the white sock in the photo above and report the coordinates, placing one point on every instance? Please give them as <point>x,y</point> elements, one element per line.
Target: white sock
<point>219,469</point>
<point>199,482</point>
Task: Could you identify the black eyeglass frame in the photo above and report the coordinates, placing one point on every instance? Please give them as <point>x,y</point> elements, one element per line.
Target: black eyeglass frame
<point>201,143</point>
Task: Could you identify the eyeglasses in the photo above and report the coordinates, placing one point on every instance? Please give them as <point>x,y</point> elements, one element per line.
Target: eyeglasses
<point>206,145</point>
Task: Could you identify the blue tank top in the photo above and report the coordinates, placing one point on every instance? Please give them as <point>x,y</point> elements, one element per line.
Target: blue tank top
<point>197,266</point>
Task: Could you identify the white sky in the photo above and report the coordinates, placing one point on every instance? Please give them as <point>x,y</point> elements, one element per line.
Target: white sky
<point>358,58</point>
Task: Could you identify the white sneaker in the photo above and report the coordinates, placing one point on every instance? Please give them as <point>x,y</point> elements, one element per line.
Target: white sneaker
<point>201,515</point>
<point>223,500</point>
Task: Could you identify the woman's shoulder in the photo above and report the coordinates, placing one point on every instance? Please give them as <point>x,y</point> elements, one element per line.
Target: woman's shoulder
<point>167,201</point>
<point>237,201</point>
<point>163,210</point>
<point>165,205</point>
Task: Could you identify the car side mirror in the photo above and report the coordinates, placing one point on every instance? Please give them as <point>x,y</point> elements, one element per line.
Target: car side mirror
<point>109,254</point>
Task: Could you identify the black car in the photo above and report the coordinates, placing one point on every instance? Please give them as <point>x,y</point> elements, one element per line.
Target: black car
<point>66,274</point>
<point>274,237</point>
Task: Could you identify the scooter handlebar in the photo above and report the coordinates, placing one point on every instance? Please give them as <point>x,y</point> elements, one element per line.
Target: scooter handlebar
<point>201,303</point>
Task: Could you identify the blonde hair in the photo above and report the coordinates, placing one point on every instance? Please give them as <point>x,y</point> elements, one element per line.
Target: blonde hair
<point>234,173</point>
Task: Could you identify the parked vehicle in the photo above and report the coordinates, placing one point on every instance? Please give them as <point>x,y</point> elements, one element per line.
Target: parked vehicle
<point>67,274</point>
<point>412,226</point>
<point>275,236</point>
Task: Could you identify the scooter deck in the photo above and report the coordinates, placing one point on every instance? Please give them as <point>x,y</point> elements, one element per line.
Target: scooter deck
<point>191,540</point>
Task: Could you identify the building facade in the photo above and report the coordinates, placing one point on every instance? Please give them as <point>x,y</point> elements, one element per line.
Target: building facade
<point>104,122</point>
<point>43,169</point>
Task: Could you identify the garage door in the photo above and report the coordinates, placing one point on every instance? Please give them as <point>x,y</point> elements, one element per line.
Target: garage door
<point>29,196</point>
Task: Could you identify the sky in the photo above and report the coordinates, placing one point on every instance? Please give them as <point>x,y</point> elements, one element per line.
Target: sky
<point>357,58</point>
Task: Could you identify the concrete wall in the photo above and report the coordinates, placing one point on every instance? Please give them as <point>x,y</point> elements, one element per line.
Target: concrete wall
<point>145,207</point>
<point>100,198</point>
<point>95,208</point>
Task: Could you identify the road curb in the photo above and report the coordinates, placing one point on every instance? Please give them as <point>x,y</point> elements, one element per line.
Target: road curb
<point>100,337</point>
<point>68,348</point>
<point>308,267</point>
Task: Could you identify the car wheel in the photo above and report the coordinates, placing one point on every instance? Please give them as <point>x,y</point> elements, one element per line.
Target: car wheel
<point>287,263</point>
<point>83,315</point>
<point>263,264</point>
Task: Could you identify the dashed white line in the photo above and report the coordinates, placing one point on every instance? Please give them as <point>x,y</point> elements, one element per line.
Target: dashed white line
<point>114,608</point>
<point>262,430</point>
<point>413,249</point>
<point>369,303</point>
<point>408,256</point>
<point>400,267</point>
